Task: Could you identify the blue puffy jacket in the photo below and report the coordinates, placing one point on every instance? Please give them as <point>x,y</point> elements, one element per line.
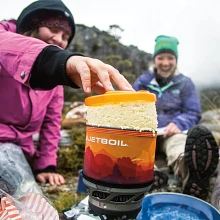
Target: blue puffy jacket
<point>177,102</point>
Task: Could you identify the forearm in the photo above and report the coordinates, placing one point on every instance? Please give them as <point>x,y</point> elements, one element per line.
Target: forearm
<point>49,69</point>
<point>190,109</point>
<point>187,120</point>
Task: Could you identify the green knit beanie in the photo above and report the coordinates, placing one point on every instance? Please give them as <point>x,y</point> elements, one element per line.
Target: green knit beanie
<point>166,44</point>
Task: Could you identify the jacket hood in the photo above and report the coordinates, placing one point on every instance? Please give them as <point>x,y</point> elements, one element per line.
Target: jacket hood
<point>44,5</point>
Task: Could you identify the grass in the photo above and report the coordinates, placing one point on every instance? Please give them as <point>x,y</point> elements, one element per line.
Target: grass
<point>66,200</point>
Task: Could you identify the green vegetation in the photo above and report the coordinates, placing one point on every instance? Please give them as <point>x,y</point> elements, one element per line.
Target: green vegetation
<point>70,159</point>
<point>130,77</point>
<point>64,200</point>
<point>210,98</point>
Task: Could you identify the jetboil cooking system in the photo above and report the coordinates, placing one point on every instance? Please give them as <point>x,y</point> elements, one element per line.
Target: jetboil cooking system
<point>118,162</point>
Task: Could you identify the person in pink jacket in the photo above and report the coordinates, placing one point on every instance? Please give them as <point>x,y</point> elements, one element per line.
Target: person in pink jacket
<point>33,68</point>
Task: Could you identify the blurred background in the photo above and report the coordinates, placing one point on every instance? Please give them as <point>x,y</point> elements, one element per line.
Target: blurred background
<point>195,23</point>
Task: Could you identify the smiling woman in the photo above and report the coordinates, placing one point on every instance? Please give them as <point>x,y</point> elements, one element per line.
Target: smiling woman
<point>165,58</point>
<point>32,89</point>
<point>53,28</point>
<point>178,109</point>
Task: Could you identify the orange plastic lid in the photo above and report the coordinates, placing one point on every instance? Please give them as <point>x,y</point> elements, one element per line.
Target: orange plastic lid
<point>120,96</point>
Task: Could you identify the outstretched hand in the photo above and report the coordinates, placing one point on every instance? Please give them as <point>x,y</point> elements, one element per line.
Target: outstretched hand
<point>94,75</point>
<point>52,178</point>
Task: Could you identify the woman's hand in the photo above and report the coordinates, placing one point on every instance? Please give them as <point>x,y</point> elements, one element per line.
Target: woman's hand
<point>52,178</point>
<point>171,129</point>
<point>94,75</point>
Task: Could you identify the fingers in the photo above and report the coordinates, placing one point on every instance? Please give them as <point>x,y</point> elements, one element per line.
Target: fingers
<point>100,72</point>
<point>85,76</point>
<point>171,129</point>
<point>98,88</point>
<point>40,178</point>
<point>52,178</point>
<point>119,79</point>
<point>107,73</point>
<point>86,72</point>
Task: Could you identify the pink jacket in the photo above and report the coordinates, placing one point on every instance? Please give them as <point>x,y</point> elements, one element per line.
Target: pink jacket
<point>25,111</point>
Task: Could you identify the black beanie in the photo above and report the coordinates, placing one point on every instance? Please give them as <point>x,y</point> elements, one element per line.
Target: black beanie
<point>24,19</point>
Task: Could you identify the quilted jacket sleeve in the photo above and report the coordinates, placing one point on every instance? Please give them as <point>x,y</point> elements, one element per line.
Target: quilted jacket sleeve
<point>18,52</point>
<point>46,153</point>
<point>191,110</point>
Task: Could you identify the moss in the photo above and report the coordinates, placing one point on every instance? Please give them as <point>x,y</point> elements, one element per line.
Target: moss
<point>65,200</point>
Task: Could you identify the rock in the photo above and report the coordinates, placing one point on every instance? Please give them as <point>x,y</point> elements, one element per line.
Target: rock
<point>65,140</point>
<point>68,123</point>
<point>78,110</point>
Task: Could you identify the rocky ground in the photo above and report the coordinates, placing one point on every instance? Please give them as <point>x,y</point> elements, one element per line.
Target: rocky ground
<point>65,196</point>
